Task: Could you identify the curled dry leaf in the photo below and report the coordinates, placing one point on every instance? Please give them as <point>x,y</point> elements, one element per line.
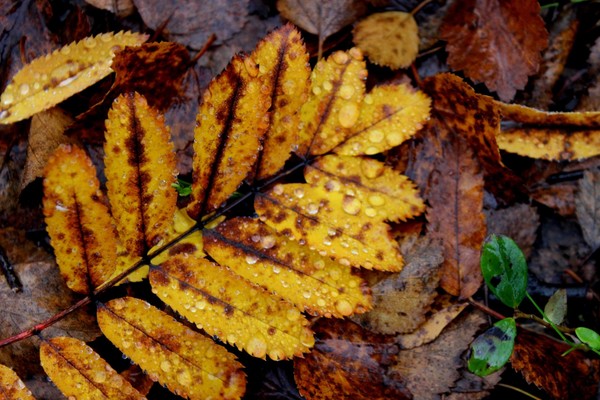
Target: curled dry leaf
<point>11,386</point>
<point>389,38</point>
<point>189,364</point>
<point>587,205</point>
<point>50,79</point>
<point>78,221</point>
<point>81,373</point>
<point>122,8</point>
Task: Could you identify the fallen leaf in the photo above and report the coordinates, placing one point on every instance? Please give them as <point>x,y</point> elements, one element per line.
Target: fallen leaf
<point>349,362</point>
<point>519,222</point>
<point>587,205</point>
<point>590,101</point>
<point>121,8</point>
<point>389,38</point>
<point>12,387</point>
<point>321,18</point>
<point>556,307</point>
<point>560,197</point>
<point>540,360</point>
<point>495,42</point>
<point>473,387</point>
<point>191,22</point>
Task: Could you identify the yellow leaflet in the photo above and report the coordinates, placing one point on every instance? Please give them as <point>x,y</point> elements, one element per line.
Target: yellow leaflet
<point>313,282</point>
<point>283,59</point>
<point>333,107</point>
<point>329,222</point>
<point>389,115</point>
<point>78,220</point>
<point>190,244</point>
<point>231,122</point>
<point>50,79</point>
<point>228,306</point>
<point>188,363</point>
<point>11,386</point>
<point>140,168</point>
<point>81,374</point>
<point>380,192</point>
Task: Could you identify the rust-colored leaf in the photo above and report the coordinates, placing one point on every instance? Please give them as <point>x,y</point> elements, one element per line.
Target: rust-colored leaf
<point>11,386</point>
<point>231,122</point>
<point>50,79</point>
<point>78,220</point>
<point>230,307</point>
<point>497,42</point>
<point>80,373</point>
<point>350,362</point>
<point>540,360</point>
<point>188,363</point>
<point>263,256</point>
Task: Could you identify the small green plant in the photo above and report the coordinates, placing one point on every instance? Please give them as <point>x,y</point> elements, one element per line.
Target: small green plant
<point>504,270</point>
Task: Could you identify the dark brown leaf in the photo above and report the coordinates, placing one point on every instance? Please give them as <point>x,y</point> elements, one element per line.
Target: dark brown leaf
<point>519,222</point>
<point>587,204</point>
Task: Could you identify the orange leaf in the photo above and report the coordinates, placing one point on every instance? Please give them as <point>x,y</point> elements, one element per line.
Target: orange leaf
<point>11,386</point>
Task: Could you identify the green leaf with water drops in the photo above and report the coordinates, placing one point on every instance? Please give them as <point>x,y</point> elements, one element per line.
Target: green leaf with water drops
<point>504,269</point>
<point>491,350</point>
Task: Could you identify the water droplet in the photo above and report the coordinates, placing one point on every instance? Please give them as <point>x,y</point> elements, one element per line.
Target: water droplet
<point>321,303</point>
<point>344,307</point>
<point>316,90</point>
<point>351,205</point>
<point>328,86</point>
<point>299,193</point>
<point>89,42</point>
<point>306,295</point>
<point>262,69</point>
<point>67,81</point>
<point>368,99</point>
<point>257,347</point>
<point>356,53</point>
<point>370,212</point>
<point>327,242</point>
<point>165,366</point>
<point>319,264</point>
<point>99,376</point>
<point>312,208</point>
<point>251,259</point>
<point>289,87</point>
<point>162,184</point>
<point>276,354</point>
<point>346,92</point>
<point>371,150</point>
<point>376,136</point>
<point>348,115</point>
<point>371,168</point>
<point>333,185</point>
<point>65,50</point>
<point>335,274</point>
<point>278,189</point>
<point>376,200</point>
<point>353,283</point>
<point>184,378</point>
<point>7,99</point>
<point>276,269</point>
<point>394,138</point>
<point>268,242</point>
<point>340,57</point>
<point>125,344</point>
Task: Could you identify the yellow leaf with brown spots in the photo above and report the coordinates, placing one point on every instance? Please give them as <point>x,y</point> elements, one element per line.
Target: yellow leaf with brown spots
<point>230,307</point>
<point>265,257</point>
<point>48,80</point>
<point>186,362</point>
<point>80,373</point>
<point>11,386</point>
<point>78,220</point>
<point>283,60</point>
<point>333,223</point>
<point>140,168</point>
<point>388,38</point>
<point>231,122</point>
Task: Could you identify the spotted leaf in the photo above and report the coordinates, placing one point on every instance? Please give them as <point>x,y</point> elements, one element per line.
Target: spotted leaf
<point>188,363</point>
<point>50,79</point>
<point>228,306</point>
<point>78,220</point>
<point>262,255</point>
<point>80,373</point>
<point>11,386</point>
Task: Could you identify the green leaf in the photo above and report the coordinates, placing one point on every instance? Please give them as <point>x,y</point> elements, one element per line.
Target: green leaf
<point>183,188</point>
<point>491,350</point>
<point>589,337</point>
<point>556,308</point>
<point>504,269</point>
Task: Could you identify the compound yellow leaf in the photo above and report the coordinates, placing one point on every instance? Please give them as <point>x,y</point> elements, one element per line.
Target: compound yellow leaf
<point>329,222</point>
<point>82,374</point>
<point>11,386</point>
<point>228,306</point>
<point>231,122</point>
<point>333,106</point>
<point>50,79</point>
<point>263,256</point>
<point>140,168</point>
<point>78,220</point>
<point>283,59</point>
<point>389,115</point>
<point>188,363</point>
<point>388,38</point>
<point>383,193</point>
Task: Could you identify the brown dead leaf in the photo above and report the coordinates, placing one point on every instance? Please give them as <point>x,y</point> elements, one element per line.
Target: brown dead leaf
<point>191,22</point>
<point>519,222</point>
<point>122,8</point>
<point>401,301</point>
<point>349,363</point>
<point>591,100</point>
<point>44,294</point>
<point>431,370</point>
<point>560,197</point>
<point>321,18</point>
<point>46,133</point>
<point>495,42</point>
<point>539,358</point>
<point>587,204</point>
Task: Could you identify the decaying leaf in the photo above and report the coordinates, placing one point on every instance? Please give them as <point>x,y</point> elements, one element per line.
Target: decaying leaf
<point>349,362</point>
<point>50,79</point>
<point>389,38</point>
<point>587,205</point>
<point>81,373</point>
<point>519,222</point>
<point>189,364</point>
<point>495,42</point>
<point>122,8</point>
<point>78,220</point>
<point>539,358</point>
<point>231,308</point>
<point>11,386</point>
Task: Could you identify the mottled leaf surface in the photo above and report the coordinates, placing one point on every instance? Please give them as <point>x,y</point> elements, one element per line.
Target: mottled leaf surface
<point>188,363</point>
<point>11,386</point>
